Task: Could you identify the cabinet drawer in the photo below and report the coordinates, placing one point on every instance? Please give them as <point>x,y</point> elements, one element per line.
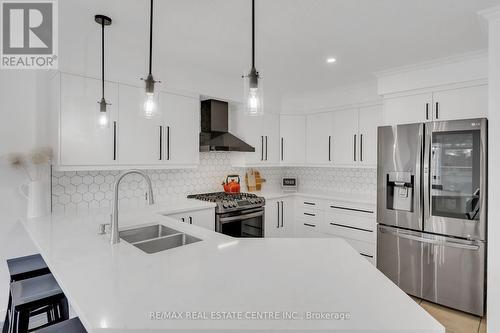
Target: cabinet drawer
<point>366,249</point>
<point>345,231</point>
<point>310,203</point>
<point>371,259</point>
<point>306,229</point>
<point>310,216</point>
<point>350,217</point>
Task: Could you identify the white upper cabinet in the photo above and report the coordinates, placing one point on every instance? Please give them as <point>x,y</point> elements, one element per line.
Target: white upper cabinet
<point>260,132</point>
<point>180,129</point>
<point>272,138</point>
<point>293,139</point>
<point>139,138</point>
<point>463,103</point>
<point>130,140</point>
<point>369,120</point>
<point>345,145</point>
<point>81,141</point>
<point>319,138</point>
<point>451,104</point>
<point>407,109</point>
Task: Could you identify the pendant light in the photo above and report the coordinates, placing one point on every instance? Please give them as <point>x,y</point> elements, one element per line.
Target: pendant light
<point>254,103</point>
<point>150,108</point>
<point>103,113</point>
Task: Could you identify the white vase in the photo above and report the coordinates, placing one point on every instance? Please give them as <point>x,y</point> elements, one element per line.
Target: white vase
<point>37,196</point>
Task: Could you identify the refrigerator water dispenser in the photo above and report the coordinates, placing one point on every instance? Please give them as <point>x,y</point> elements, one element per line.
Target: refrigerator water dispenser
<point>400,191</point>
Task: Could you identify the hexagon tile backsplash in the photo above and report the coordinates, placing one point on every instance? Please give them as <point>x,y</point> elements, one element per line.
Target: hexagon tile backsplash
<point>84,191</point>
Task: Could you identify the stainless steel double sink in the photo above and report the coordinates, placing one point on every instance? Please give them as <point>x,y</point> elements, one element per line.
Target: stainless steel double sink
<point>156,238</point>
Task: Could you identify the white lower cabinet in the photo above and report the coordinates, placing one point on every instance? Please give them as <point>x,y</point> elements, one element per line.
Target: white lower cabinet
<point>279,218</point>
<point>204,218</point>
<point>320,218</point>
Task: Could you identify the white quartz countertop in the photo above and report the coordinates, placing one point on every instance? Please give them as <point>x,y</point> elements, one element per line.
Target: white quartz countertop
<point>118,288</point>
<point>343,198</point>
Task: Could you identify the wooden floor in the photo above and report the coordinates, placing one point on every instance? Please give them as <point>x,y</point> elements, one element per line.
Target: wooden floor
<point>454,321</point>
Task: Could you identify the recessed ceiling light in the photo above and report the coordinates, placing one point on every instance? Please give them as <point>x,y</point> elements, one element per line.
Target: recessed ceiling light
<point>331,60</point>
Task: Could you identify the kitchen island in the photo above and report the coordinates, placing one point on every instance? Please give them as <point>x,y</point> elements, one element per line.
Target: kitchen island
<point>219,283</point>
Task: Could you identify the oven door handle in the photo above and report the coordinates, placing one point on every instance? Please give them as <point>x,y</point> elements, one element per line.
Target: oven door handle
<point>240,217</point>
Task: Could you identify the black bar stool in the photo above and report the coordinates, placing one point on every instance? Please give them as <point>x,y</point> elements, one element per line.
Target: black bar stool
<point>24,268</point>
<point>33,296</point>
<point>73,325</point>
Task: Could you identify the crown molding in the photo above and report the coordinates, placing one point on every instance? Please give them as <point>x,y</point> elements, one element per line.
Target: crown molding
<point>490,14</point>
<point>473,55</point>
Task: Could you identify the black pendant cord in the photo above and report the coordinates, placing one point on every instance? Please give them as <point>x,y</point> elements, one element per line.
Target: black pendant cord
<point>102,57</point>
<point>151,38</point>
<point>253,33</point>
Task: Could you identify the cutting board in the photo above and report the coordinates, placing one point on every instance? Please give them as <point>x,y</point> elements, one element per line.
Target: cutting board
<point>254,180</point>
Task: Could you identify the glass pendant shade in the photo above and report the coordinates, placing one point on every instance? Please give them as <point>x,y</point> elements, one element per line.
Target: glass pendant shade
<point>253,95</point>
<point>102,114</point>
<point>150,106</point>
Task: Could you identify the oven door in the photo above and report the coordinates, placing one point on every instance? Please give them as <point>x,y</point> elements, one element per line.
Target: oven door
<point>243,223</point>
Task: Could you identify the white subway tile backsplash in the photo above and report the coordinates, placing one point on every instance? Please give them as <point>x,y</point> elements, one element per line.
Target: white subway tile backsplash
<point>85,191</point>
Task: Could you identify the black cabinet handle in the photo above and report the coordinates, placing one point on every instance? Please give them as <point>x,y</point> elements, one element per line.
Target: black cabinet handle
<point>309,214</point>
<point>355,136</point>
<point>427,111</point>
<point>366,255</point>
<point>278,214</point>
<point>161,142</point>
<point>349,227</point>
<point>190,220</point>
<point>168,143</point>
<point>361,147</point>
<point>437,110</point>
<point>183,219</point>
<point>282,149</point>
<point>353,209</point>
<point>114,140</point>
<point>266,147</point>
<point>282,214</point>
<point>309,203</point>
<point>309,225</point>
<point>261,148</point>
<point>329,148</point>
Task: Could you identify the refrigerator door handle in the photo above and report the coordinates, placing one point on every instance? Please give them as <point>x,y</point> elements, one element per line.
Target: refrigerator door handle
<point>419,178</point>
<point>465,246</point>
<point>426,174</point>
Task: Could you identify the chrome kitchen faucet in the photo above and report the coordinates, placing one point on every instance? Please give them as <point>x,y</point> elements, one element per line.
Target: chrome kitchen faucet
<point>115,237</point>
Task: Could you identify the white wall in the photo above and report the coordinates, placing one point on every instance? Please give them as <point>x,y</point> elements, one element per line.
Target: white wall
<point>493,306</point>
<point>455,69</point>
<point>364,93</point>
<point>18,111</point>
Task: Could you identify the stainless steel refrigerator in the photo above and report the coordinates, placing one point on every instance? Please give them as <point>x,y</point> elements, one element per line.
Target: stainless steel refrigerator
<point>431,210</point>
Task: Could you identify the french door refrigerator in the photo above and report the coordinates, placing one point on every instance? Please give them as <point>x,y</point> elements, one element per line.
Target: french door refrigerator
<point>431,210</point>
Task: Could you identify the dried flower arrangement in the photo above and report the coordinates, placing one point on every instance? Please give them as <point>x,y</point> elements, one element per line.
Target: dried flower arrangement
<point>33,162</point>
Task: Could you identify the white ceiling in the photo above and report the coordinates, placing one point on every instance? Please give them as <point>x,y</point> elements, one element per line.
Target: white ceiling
<point>294,38</point>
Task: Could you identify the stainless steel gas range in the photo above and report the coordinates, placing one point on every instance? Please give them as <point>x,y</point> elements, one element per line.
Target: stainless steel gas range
<point>236,214</point>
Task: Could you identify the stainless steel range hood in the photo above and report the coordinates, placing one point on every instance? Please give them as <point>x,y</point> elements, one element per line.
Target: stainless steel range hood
<point>214,134</point>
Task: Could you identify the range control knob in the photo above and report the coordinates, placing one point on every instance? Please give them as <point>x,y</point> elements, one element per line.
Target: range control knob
<point>224,204</point>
